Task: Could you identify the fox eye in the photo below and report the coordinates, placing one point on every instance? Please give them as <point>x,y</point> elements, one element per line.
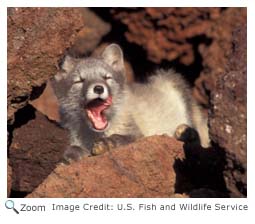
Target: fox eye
<point>107,77</point>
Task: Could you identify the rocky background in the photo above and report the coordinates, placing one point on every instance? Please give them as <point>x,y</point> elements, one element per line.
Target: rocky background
<point>206,45</point>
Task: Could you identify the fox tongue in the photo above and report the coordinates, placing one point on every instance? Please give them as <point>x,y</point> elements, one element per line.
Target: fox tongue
<point>96,116</point>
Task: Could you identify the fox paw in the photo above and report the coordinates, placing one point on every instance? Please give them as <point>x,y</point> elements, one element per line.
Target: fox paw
<point>186,134</point>
<point>100,147</point>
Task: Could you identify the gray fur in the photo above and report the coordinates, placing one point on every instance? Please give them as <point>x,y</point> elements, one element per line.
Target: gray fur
<point>157,107</point>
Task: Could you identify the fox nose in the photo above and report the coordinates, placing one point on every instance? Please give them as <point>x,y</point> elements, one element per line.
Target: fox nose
<point>98,89</point>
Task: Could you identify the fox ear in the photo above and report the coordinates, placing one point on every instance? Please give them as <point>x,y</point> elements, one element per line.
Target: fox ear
<point>68,63</point>
<point>113,56</point>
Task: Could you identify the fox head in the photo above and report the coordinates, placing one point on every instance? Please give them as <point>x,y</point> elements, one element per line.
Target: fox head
<point>90,89</point>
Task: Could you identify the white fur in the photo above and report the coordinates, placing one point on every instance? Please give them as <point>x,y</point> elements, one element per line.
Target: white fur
<point>158,107</point>
<point>160,111</point>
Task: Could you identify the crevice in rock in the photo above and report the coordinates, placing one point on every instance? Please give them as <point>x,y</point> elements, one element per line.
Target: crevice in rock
<point>202,169</point>
<point>197,66</point>
<point>37,91</point>
<point>21,117</point>
<point>18,194</point>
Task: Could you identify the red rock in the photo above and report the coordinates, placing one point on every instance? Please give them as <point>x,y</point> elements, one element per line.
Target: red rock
<point>90,36</point>
<point>47,103</point>
<point>216,55</point>
<point>9,179</point>
<point>228,117</point>
<point>36,148</point>
<point>165,32</point>
<point>142,169</point>
<point>37,37</point>
<point>206,193</point>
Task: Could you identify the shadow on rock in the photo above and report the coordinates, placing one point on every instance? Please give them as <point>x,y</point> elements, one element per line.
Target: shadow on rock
<point>200,174</point>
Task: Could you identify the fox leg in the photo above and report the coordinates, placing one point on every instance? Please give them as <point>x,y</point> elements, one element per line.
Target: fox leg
<point>74,153</point>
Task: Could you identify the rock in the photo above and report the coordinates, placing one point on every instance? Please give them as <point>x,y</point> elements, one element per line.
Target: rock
<point>9,179</point>
<point>156,166</point>
<point>216,55</point>
<point>37,37</point>
<point>47,103</point>
<point>179,196</point>
<point>228,117</point>
<point>37,146</point>
<point>166,33</point>
<point>206,193</point>
<point>90,36</point>
<point>142,169</point>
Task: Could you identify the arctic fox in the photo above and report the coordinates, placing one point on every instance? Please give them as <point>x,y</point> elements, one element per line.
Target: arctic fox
<point>96,102</point>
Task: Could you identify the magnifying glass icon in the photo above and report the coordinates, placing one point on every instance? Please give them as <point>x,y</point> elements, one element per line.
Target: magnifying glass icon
<point>10,205</point>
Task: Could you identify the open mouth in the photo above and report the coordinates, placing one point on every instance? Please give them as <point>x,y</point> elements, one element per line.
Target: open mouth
<point>95,109</point>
